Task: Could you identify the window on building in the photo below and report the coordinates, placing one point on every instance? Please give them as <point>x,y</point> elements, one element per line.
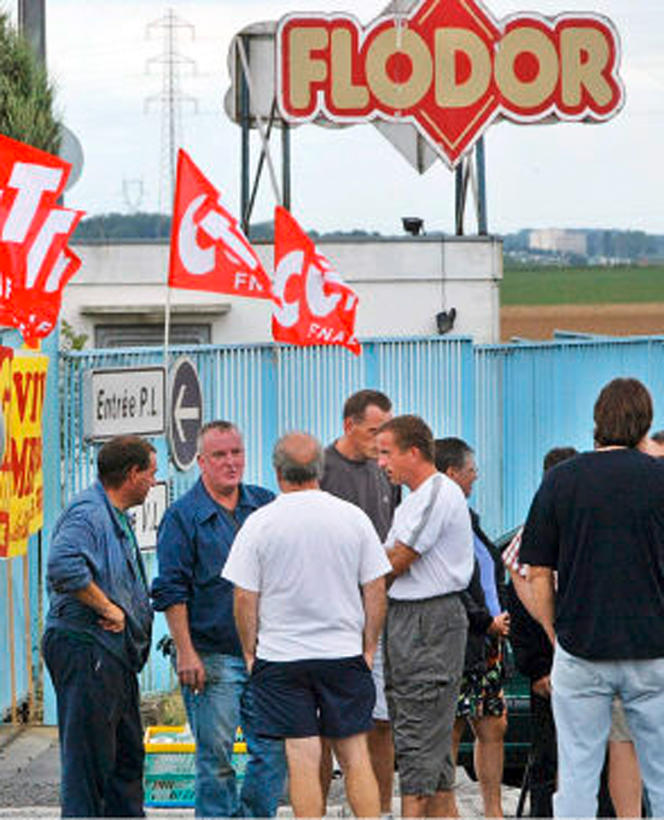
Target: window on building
<point>151,335</point>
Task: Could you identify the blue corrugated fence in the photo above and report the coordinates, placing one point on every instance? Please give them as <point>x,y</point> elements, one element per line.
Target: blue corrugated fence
<point>511,402</point>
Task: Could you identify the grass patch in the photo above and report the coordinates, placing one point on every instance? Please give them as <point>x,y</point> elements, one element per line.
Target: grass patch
<point>582,286</point>
<point>164,709</point>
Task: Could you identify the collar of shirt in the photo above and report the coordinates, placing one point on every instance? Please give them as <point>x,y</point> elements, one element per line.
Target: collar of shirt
<point>206,507</point>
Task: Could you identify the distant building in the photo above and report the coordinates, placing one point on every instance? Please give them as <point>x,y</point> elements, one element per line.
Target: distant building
<point>560,241</point>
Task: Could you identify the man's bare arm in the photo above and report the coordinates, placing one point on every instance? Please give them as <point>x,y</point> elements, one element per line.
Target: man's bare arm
<point>245,610</point>
<point>112,617</point>
<point>401,557</point>
<point>375,605</point>
<point>542,598</point>
<point>190,668</point>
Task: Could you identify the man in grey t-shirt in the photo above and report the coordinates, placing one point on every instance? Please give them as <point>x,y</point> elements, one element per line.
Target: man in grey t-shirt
<point>352,473</point>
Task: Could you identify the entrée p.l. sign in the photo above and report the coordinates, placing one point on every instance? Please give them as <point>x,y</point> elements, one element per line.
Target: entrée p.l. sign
<point>449,68</point>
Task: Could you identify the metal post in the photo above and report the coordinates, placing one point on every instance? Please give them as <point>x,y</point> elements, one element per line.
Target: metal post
<point>480,166</point>
<point>245,116</point>
<point>32,24</point>
<point>459,199</point>
<point>286,165</point>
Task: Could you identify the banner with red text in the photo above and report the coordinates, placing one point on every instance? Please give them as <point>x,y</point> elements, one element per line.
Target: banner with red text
<point>26,504</point>
<point>209,251</point>
<point>317,307</point>
<point>6,356</point>
<point>35,261</point>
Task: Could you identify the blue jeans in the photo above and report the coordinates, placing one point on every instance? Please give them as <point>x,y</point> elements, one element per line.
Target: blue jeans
<point>214,714</point>
<point>101,740</point>
<point>582,695</point>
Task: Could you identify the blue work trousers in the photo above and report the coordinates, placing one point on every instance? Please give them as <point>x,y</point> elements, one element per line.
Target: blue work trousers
<point>101,739</point>
<point>214,714</point>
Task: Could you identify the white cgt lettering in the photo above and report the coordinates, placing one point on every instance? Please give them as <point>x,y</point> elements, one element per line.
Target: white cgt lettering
<point>31,181</point>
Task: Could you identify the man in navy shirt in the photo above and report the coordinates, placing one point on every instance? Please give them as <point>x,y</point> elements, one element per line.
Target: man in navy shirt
<point>98,633</point>
<point>194,540</point>
<point>598,520</point>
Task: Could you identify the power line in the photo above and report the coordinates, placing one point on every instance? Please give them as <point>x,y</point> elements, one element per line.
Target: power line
<point>170,98</point>
<point>132,193</point>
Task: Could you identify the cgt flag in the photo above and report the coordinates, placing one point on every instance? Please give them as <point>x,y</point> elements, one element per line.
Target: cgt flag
<point>208,249</point>
<point>35,262</point>
<point>317,307</point>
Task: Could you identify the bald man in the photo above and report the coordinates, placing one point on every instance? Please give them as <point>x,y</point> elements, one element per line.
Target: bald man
<point>309,574</point>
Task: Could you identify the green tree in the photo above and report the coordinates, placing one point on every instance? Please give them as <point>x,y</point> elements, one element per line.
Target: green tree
<point>26,96</point>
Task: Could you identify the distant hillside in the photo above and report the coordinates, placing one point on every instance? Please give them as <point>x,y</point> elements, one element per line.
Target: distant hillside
<point>601,245</point>
<point>124,226</point>
<point>158,226</point>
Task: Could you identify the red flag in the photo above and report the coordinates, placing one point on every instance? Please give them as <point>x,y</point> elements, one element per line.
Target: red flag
<point>35,262</point>
<point>208,249</point>
<point>317,308</point>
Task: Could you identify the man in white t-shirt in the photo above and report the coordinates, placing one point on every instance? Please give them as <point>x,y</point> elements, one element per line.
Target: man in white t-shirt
<point>309,571</point>
<point>430,548</point>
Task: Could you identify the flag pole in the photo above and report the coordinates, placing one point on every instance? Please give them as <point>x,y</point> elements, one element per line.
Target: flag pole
<point>167,304</point>
<point>167,323</point>
<point>259,120</point>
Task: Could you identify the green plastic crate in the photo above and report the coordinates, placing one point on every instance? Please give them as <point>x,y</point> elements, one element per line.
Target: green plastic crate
<point>170,766</point>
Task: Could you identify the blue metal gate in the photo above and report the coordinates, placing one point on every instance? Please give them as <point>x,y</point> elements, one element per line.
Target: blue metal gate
<point>511,402</point>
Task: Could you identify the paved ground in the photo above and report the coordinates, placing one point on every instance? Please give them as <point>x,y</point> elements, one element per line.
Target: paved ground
<point>30,770</point>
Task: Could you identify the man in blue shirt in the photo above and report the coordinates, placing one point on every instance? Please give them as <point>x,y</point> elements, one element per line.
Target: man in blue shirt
<point>98,633</point>
<point>194,540</point>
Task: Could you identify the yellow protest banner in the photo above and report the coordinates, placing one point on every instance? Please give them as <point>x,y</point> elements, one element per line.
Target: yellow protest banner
<point>26,505</point>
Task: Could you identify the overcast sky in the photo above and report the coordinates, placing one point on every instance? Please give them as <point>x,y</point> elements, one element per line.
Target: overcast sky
<point>566,175</point>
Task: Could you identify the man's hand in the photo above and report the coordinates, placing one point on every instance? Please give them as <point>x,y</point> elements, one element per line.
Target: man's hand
<point>500,626</point>
<point>191,671</point>
<point>369,659</point>
<point>112,618</point>
<point>249,661</point>
<point>542,687</point>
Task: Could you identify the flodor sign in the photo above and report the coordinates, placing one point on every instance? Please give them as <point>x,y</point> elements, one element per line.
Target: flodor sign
<point>449,68</point>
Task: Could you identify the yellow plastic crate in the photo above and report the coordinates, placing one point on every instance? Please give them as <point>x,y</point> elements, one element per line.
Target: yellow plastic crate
<point>170,766</point>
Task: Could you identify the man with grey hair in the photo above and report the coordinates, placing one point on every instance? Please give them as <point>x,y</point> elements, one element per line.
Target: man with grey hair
<point>194,540</point>
<point>309,583</point>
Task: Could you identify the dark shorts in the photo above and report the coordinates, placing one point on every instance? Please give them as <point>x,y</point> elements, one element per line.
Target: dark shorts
<point>309,698</point>
<point>425,644</point>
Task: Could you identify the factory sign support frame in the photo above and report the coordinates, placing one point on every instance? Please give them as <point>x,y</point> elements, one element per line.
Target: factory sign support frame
<point>185,412</point>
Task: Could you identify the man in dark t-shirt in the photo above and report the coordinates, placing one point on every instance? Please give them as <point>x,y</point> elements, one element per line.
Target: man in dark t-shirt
<point>352,473</point>
<point>598,519</point>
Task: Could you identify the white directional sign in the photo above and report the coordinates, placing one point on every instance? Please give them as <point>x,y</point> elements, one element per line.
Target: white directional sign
<point>148,515</point>
<point>124,401</point>
<point>185,412</point>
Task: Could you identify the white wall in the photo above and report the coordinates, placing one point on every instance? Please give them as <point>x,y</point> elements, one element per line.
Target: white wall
<point>401,283</point>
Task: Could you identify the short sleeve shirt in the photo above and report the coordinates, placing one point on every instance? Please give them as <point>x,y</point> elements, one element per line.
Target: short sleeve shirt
<point>364,484</point>
<point>434,520</point>
<point>599,520</point>
<point>307,554</point>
